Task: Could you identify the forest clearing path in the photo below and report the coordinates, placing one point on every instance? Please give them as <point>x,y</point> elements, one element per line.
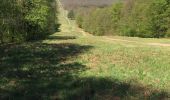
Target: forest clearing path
<point>121,58</point>
<point>70,26</point>
<point>72,64</point>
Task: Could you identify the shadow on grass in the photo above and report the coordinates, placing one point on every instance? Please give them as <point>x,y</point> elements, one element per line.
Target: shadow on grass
<point>61,37</point>
<point>97,88</point>
<point>26,69</point>
<point>38,71</point>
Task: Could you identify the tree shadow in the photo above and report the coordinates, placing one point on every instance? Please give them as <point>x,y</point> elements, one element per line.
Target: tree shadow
<point>98,88</point>
<point>61,37</point>
<point>39,71</point>
<point>26,68</point>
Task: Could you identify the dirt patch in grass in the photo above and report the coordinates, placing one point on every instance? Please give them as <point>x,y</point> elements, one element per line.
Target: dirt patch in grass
<point>159,44</point>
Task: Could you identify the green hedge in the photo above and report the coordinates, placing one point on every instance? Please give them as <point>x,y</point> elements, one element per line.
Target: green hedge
<point>22,20</point>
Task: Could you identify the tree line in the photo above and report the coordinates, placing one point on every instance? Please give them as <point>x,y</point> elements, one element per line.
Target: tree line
<point>22,20</point>
<point>74,4</point>
<point>141,18</point>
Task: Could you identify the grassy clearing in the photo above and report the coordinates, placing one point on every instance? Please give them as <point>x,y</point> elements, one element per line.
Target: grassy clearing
<point>71,66</point>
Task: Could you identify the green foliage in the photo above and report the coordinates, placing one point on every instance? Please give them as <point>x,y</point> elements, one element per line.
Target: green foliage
<point>147,19</point>
<point>71,14</point>
<point>39,18</point>
<point>22,20</point>
<point>158,16</point>
<point>79,20</point>
<point>140,18</point>
<point>97,21</point>
<point>9,19</point>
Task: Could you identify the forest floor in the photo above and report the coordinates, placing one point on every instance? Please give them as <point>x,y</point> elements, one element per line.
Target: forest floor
<point>74,65</point>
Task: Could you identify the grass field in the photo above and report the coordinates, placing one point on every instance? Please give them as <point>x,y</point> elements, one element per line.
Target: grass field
<point>74,65</point>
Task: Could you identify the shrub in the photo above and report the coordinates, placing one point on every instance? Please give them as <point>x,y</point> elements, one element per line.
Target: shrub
<point>22,20</point>
<point>71,15</point>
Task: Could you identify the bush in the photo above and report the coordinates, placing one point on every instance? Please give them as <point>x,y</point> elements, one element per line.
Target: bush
<point>22,20</point>
<point>40,18</point>
<point>71,15</point>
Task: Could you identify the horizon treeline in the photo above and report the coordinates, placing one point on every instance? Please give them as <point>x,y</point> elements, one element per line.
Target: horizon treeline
<point>74,4</point>
<point>136,18</point>
<point>22,20</point>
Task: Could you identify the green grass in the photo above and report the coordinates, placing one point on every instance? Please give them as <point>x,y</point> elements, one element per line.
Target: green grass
<point>69,65</point>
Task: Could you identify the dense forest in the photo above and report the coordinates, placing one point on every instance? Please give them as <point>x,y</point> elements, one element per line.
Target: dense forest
<point>22,20</point>
<point>141,18</point>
